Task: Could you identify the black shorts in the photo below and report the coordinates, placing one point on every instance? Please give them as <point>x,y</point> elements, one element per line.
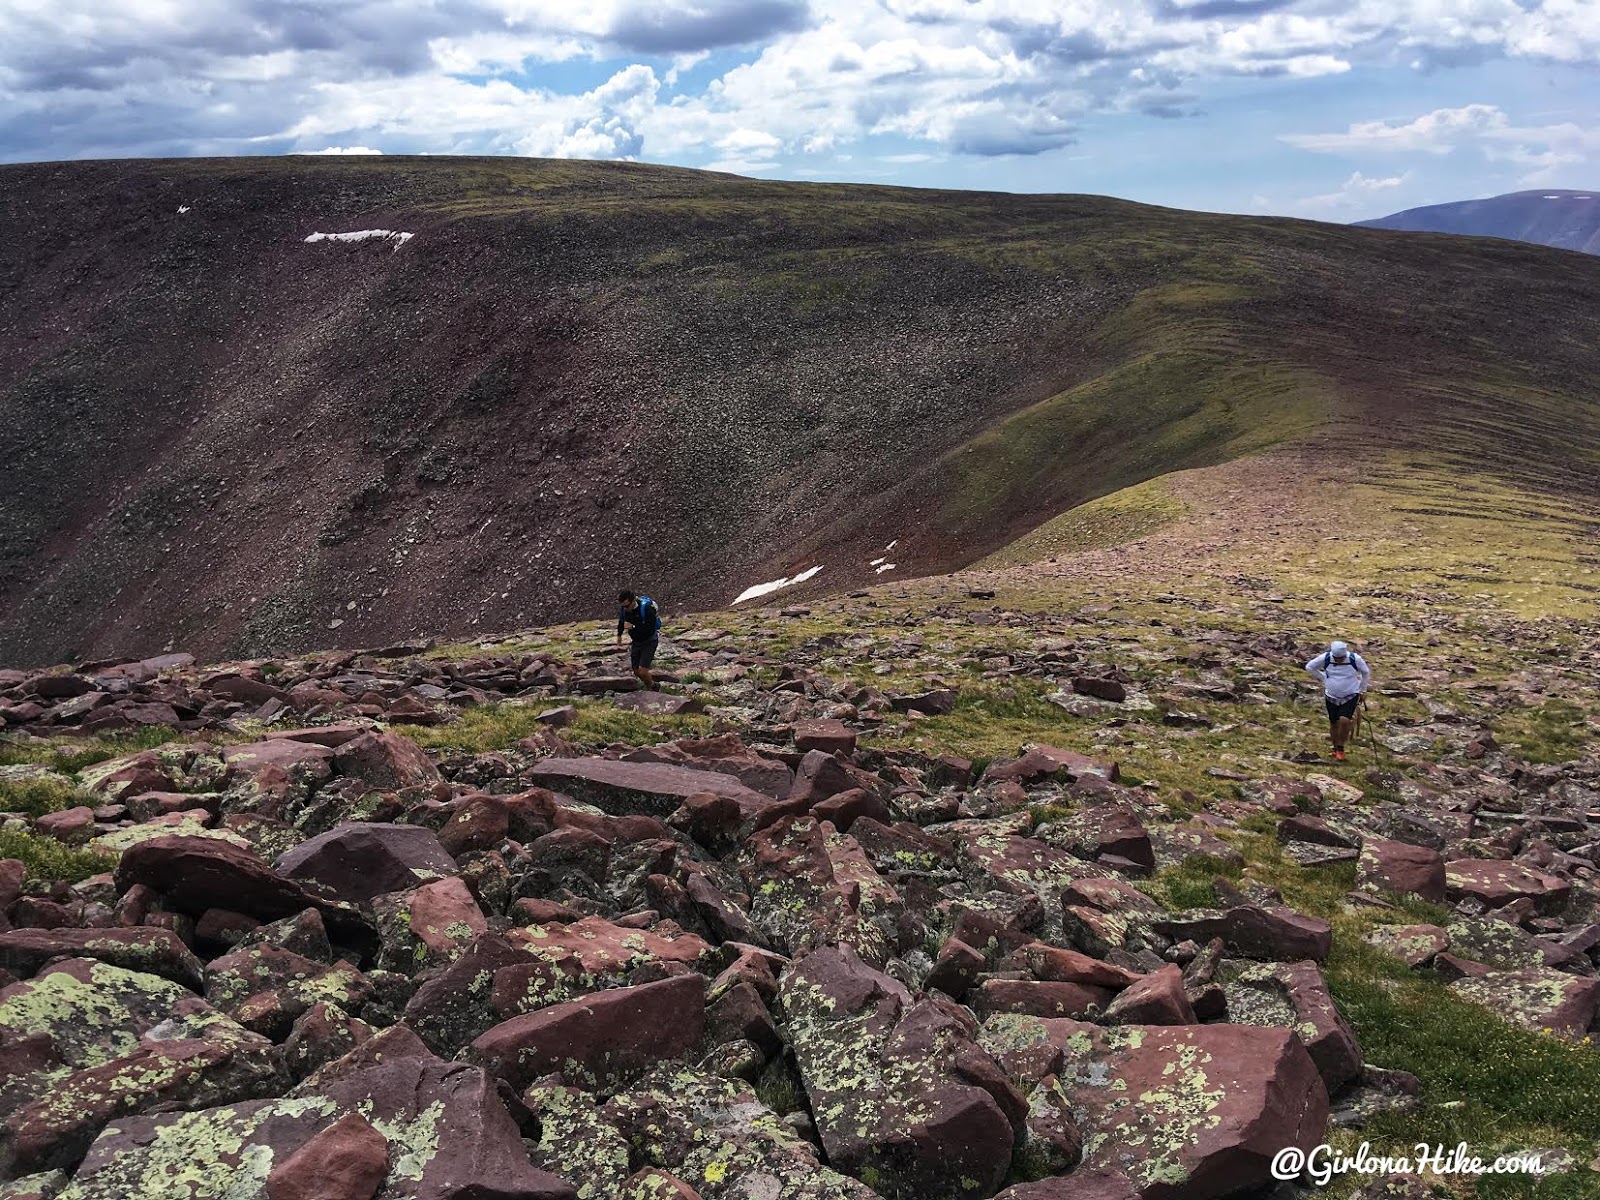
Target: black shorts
<point>1341,708</point>
<point>642,654</point>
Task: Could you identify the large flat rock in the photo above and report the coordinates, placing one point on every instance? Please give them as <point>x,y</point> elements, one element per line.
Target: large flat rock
<point>654,789</point>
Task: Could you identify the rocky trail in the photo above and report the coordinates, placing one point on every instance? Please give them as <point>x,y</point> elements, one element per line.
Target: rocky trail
<point>922,893</point>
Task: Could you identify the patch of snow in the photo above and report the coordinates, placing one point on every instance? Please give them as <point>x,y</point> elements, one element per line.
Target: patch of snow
<point>763,589</point>
<point>182,208</point>
<point>885,567</point>
<point>875,562</point>
<point>891,545</point>
<point>362,235</point>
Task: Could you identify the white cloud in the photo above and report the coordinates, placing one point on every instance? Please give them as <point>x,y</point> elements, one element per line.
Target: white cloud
<point>1437,132</point>
<point>975,77</point>
<point>1356,193</point>
<point>343,150</point>
<point>1482,128</point>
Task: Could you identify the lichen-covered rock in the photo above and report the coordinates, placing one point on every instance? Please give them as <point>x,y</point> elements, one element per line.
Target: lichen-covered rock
<point>428,926</point>
<point>811,887</point>
<point>603,948</point>
<point>1276,934</point>
<point>46,1185</point>
<point>576,1140</point>
<point>1185,1112</point>
<point>603,1040</point>
<point>714,1134</point>
<point>1536,998</point>
<point>359,860</point>
<point>99,1042</point>
<point>903,1097</point>
<point>1401,867</point>
<point>151,951</point>
<point>1295,996</point>
<point>1414,945</point>
<point>449,1137</point>
<point>1023,865</point>
<point>321,1034</point>
<point>454,1005</point>
<point>1496,882</point>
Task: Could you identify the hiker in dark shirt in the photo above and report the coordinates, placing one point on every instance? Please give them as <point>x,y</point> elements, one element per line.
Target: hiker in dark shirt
<point>640,617</point>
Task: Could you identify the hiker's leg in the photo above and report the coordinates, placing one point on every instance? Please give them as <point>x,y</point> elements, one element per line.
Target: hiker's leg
<point>644,655</point>
<point>1341,733</point>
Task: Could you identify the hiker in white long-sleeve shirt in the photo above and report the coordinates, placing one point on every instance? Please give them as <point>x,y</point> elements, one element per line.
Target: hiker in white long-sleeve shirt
<point>1345,677</point>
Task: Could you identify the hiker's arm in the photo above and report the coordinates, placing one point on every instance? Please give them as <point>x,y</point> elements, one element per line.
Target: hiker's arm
<point>621,622</point>
<point>1366,675</point>
<point>1316,670</point>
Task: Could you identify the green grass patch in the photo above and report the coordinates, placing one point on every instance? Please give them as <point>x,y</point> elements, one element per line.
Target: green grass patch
<point>46,858</point>
<point>70,755</point>
<point>1554,732</point>
<point>1156,413</point>
<point>1109,521</point>
<point>36,795</point>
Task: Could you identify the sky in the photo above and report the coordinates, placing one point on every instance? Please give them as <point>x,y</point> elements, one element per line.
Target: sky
<point>1334,109</point>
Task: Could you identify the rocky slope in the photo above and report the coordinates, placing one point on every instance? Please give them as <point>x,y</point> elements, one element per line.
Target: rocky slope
<point>1029,881</point>
<point>221,435</point>
<point>1565,219</point>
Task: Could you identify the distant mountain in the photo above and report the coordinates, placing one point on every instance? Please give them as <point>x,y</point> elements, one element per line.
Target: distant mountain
<point>1566,220</point>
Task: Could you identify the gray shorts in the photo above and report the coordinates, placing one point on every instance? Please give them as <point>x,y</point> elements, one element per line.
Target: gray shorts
<point>642,654</point>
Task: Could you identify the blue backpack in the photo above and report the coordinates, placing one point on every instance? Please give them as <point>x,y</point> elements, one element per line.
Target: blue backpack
<point>655,614</point>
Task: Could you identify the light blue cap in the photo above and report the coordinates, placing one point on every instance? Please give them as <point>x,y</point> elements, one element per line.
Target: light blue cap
<point>1339,650</point>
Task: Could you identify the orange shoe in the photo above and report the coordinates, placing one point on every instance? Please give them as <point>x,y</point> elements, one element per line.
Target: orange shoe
<point>1339,755</point>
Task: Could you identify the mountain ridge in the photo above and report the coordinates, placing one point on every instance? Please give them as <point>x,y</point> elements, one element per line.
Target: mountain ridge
<point>577,375</point>
<point>1565,219</point>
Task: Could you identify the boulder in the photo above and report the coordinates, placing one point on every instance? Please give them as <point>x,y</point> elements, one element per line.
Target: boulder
<point>194,874</point>
<point>725,754</point>
<point>1414,945</point>
<point>1401,867</point>
<point>935,703</point>
<point>87,1042</point>
<point>715,1132</point>
<point>344,1161</point>
<point>449,1136</point>
<point>152,951</point>
<point>1295,996</point>
<point>1274,933</point>
<point>1048,762</point>
<point>453,1005</point>
<point>1190,1112</point>
<point>901,1091</point>
<point>386,761</point>
<point>427,926</point>
<point>827,736</point>
<point>810,887</point>
<point>602,948</point>
<point>1496,883</point>
<point>602,1041</point>
<point>1536,998</point>
<point>820,776</point>
<point>654,789</point>
<point>1157,999</point>
<point>358,860</point>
